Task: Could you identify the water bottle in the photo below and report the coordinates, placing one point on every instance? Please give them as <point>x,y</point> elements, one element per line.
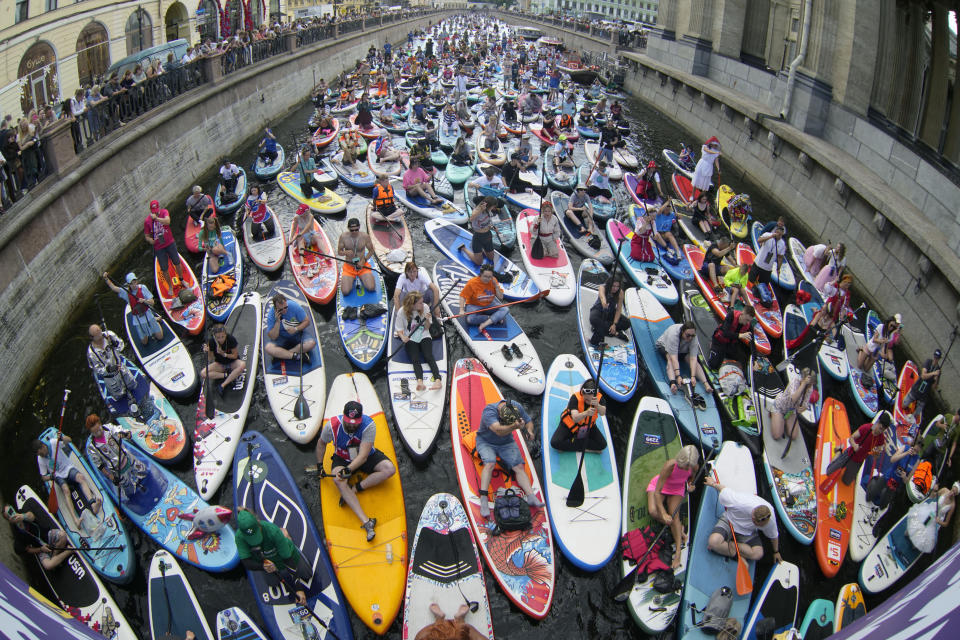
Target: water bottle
<point>389,553</point>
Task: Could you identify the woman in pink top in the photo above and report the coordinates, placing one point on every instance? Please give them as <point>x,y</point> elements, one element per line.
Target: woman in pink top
<point>416,182</point>
<point>673,481</point>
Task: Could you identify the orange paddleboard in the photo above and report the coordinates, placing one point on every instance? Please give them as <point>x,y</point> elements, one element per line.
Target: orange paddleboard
<point>834,507</point>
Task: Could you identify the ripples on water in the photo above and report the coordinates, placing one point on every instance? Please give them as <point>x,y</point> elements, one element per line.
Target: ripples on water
<point>581,606</point>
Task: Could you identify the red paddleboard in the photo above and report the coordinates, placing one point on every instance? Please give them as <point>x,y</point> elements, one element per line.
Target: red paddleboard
<point>190,316</point>
<point>321,139</point>
<point>316,276</point>
<point>770,317</point>
<point>682,187</point>
<point>695,256</point>
<point>538,131</point>
<point>523,562</point>
<point>191,235</point>
<point>834,507</point>
<point>908,375</point>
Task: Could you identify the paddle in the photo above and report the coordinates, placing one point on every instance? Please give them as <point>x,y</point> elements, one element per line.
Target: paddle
<point>534,297</point>
<point>744,581</point>
<point>166,596</point>
<point>423,319</point>
<point>828,483</point>
<point>577,492</point>
<point>623,588</point>
<point>301,410</point>
<point>793,430</point>
<point>350,262</point>
<point>52,503</point>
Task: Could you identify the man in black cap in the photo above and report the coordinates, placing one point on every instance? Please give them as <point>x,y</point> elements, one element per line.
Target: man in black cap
<point>927,382</point>
<point>353,435</point>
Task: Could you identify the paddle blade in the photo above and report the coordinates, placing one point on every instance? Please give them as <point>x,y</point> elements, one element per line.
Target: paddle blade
<point>625,587</point>
<point>744,581</point>
<point>301,410</point>
<point>52,503</point>
<point>830,480</point>
<point>576,496</point>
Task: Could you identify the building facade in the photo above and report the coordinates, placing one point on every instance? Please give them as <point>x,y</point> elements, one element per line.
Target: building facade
<point>626,10</point>
<point>50,48</point>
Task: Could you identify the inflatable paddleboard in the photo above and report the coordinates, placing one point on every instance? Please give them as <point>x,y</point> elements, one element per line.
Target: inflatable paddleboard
<point>240,191</point>
<point>883,375</point>
<point>555,274</point>
<point>445,569</point>
<point>850,606</point>
<point>768,316</point>
<point>269,252</point>
<point>219,305</point>
<point>215,438</point>
<point>892,557</point>
<point>189,316</point>
<point>654,439</point>
<point>326,201</point>
<point>391,241</point>
<point>263,484</point>
<point>782,276</point>
<point>267,171</point>
<point>522,562</point>
<point>834,507</point>
<point>818,621</point>
<point>174,608</point>
<point>587,534</point>
<point>777,601</point>
<point>166,360</point>
<point>648,275</point>
<point>315,274</point>
<point>234,624</point>
<point>363,339</point>
<point>866,397</point>
<point>358,563</point>
<point>865,513</point>
<point>581,241</point>
<point>794,323</point>
<point>446,211</point>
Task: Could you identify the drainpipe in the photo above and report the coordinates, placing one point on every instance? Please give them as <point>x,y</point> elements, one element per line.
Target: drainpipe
<point>801,56</point>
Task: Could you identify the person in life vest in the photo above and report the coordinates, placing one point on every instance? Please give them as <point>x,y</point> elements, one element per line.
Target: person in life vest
<point>385,208</point>
<point>737,326</point>
<point>140,300</point>
<point>667,489</point>
<point>353,434</point>
<point>578,429</point>
<point>259,213</point>
<point>648,183</point>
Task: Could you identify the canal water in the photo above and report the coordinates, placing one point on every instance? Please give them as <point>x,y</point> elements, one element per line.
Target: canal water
<point>582,607</point>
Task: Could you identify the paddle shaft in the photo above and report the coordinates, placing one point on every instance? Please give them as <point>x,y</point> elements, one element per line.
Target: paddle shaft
<point>52,501</point>
<point>744,581</point>
<point>577,493</point>
<point>350,262</point>
<point>535,296</point>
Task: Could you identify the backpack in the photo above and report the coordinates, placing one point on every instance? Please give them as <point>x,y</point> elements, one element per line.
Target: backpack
<point>186,296</point>
<point>511,512</point>
<point>714,618</point>
<point>764,294</point>
<point>731,378</point>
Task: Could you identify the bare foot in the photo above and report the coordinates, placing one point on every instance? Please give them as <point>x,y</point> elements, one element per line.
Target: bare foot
<point>437,612</point>
<point>420,385</point>
<point>676,560</point>
<point>461,613</point>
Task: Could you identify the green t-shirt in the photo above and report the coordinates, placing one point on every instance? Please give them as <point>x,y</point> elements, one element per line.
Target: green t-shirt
<point>275,546</point>
<point>943,438</point>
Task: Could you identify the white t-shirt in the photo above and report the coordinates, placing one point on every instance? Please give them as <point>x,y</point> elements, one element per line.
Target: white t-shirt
<point>404,286</point>
<point>227,171</point>
<point>770,250</point>
<point>739,513</point>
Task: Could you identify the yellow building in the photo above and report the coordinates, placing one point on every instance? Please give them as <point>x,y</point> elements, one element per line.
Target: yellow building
<point>49,48</point>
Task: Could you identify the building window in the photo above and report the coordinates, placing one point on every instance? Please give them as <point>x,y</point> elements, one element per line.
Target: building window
<point>93,53</point>
<point>208,20</point>
<point>21,10</point>
<point>139,31</point>
<point>38,73</point>
<point>51,5</point>
<point>234,11</point>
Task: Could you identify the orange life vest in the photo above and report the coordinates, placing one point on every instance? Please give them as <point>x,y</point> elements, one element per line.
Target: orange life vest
<point>384,198</point>
<point>566,418</point>
<point>923,477</point>
<point>566,121</point>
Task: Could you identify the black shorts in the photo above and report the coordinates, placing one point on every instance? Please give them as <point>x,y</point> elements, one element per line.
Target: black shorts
<point>723,528</point>
<point>482,241</point>
<point>376,457</point>
<point>758,274</point>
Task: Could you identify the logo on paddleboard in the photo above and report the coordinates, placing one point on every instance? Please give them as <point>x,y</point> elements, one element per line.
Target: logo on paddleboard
<point>651,439</point>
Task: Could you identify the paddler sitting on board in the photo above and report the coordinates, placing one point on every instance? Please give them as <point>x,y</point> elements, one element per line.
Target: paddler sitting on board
<point>30,537</point>
<point>259,213</point>
<point>353,434</point>
<point>578,429</point>
<point>791,402</point>
<point>140,300</point>
<point>527,156</point>
<point>713,266</point>
<point>384,150</point>
<point>749,515</point>
<point>55,467</point>
<point>384,206</point>
<point>663,231</point>
<point>674,482</point>
<point>836,307</point>
<point>735,286</point>
<point>356,249</point>
<point>680,340</point>
<point>285,321</point>
<point>481,226</point>
<point>480,292</point>
<point>304,234</point>
<point>495,439</point>
<point>416,182</point>
<point>263,546</point>
<point>491,179</point>
<point>580,211</point>
<point>223,358</point>
<point>562,158</point>
<point>868,438</point>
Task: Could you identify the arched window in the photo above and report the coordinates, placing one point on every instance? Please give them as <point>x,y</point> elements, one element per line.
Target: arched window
<point>93,52</point>
<point>208,20</point>
<point>139,31</point>
<point>234,10</point>
<point>177,22</point>
<point>38,74</point>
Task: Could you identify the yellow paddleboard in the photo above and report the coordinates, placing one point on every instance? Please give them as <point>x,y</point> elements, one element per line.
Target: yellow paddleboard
<point>372,574</point>
<point>738,227</point>
<point>325,201</point>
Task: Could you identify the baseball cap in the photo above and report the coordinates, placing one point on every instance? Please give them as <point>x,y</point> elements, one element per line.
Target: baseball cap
<point>131,277</point>
<point>353,413</point>
<point>302,208</point>
<point>651,165</point>
<point>154,205</point>
<point>937,353</point>
<point>562,137</point>
<point>249,527</point>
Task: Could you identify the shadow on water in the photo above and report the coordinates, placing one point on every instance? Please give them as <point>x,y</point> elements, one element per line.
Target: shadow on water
<point>581,607</point>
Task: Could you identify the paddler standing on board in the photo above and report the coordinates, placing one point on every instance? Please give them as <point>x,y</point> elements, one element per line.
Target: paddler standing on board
<point>353,434</point>
<point>141,307</point>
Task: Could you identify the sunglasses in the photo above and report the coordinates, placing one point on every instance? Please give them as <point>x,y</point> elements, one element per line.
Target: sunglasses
<point>589,392</point>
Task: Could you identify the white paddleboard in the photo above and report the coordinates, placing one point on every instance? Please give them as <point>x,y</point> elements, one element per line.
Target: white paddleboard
<point>173,605</point>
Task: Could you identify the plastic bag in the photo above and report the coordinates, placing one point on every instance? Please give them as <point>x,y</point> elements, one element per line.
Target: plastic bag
<point>922,525</point>
<point>731,379</point>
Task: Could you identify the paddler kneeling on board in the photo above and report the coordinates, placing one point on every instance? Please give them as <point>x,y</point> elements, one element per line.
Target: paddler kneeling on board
<point>748,515</point>
<point>495,439</point>
<point>263,546</point>
<point>353,434</point>
<point>578,423</point>
<point>385,207</point>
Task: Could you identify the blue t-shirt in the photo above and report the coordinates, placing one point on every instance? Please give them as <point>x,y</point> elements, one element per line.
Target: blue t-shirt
<point>387,47</point>
<point>293,316</point>
<point>490,416</point>
<point>269,144</point>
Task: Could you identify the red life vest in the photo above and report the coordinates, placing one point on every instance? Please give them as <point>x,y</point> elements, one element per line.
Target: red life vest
<point>258,210</point>
<point>646,189</point>
<point>137,304</point>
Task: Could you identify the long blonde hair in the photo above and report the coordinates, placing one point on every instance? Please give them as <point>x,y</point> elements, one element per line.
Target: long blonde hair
<point>411,299</point>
